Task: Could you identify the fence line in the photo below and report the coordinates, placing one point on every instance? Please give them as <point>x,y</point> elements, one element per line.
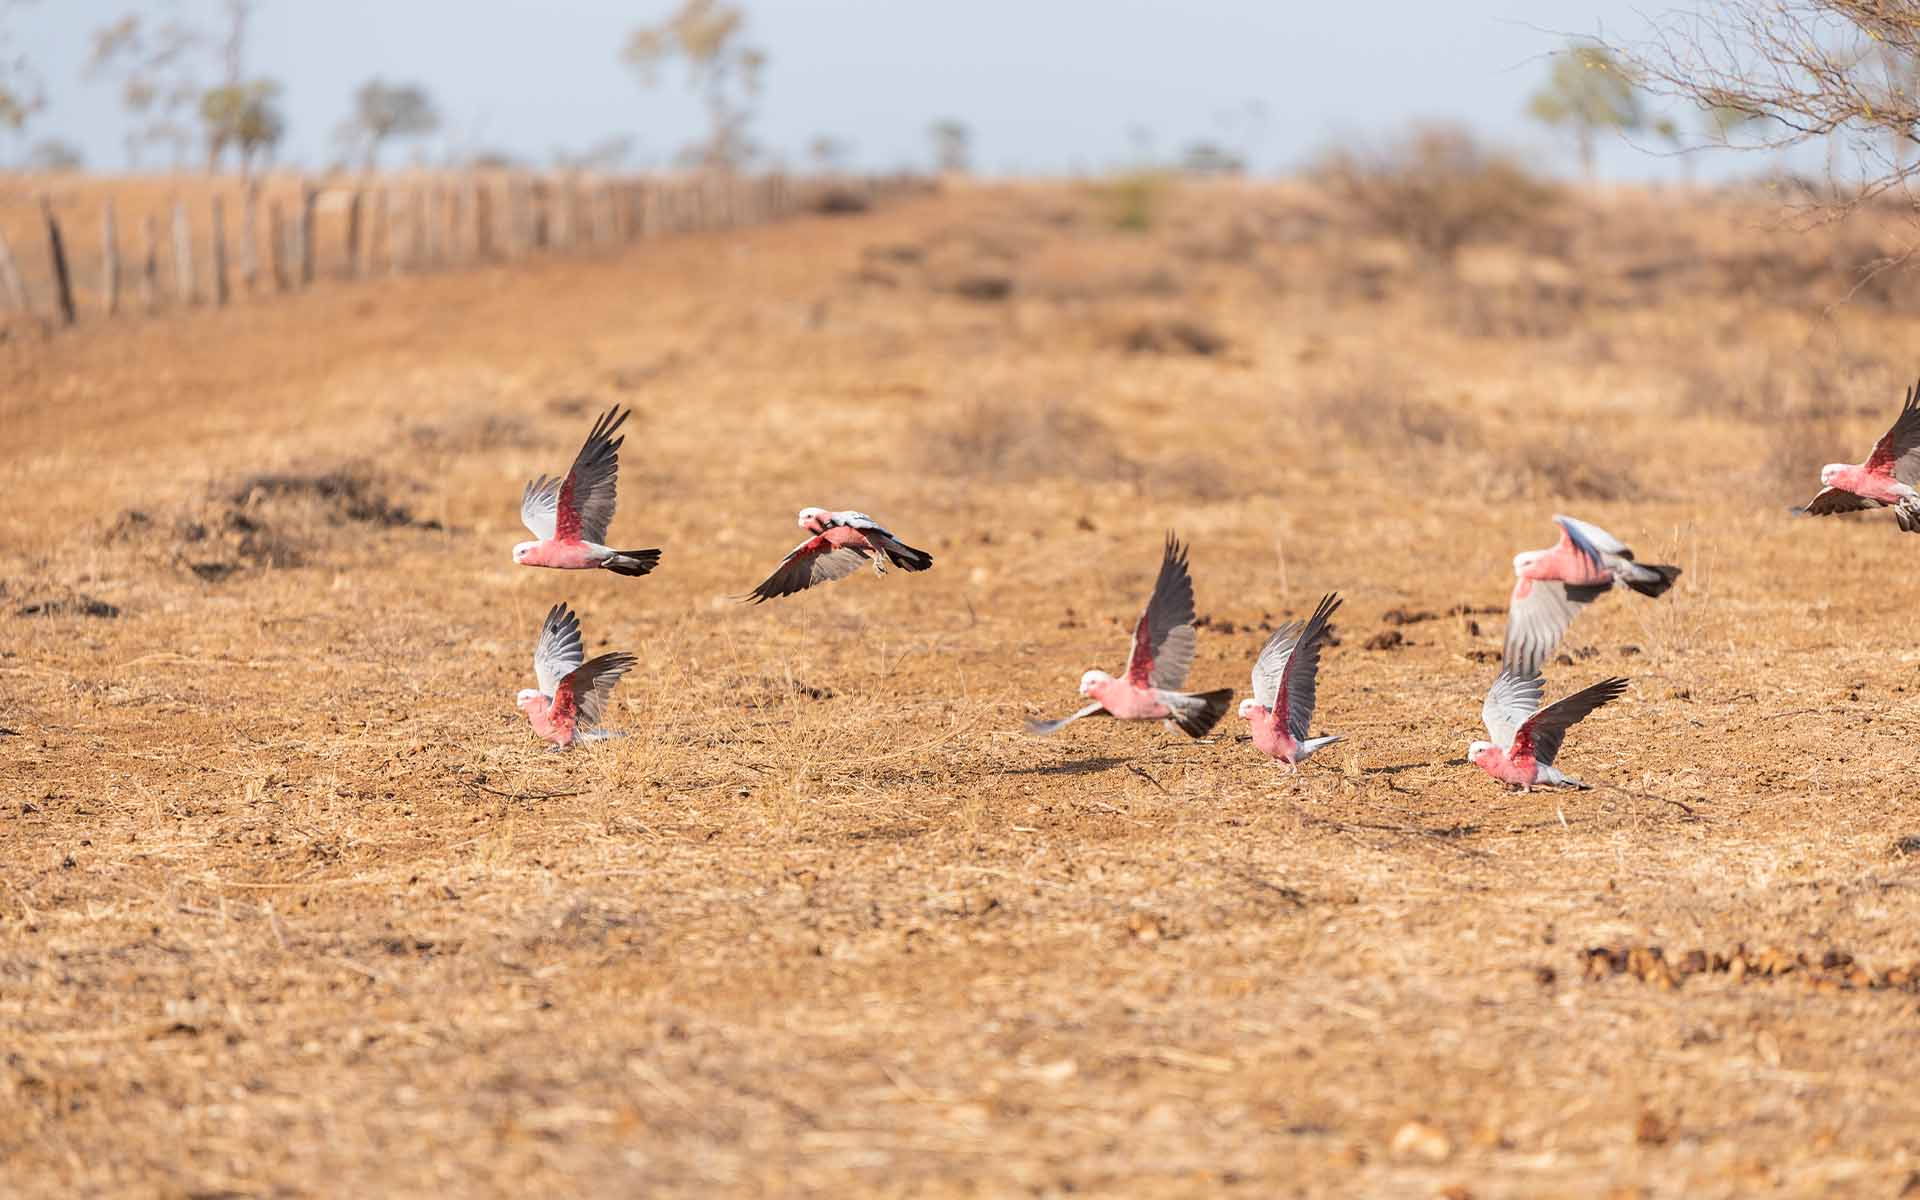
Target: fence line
<point>358,229</point>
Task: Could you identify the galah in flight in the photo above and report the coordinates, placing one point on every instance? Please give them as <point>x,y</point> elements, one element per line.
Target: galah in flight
<point>1886,478</point>
<point>1552,586</point>
<point>1281,708</point>
<point>836,545</point>
<point>1157,665</point>
<point>1525,736</point>
<point>573,694</point>
<point>570,516</point>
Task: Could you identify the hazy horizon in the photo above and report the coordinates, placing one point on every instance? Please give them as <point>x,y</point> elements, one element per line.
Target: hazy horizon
<point>1062,88</point>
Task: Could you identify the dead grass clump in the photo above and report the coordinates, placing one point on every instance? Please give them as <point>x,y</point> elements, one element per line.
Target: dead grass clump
<point>1438,188</point>
<point>1172,335</point>
<point>75,604</point>
<point>346,494</point>
<point>1573,469</point>
<point>491,431</point>
<point>1527,310</point>
<point>1382,414</point>
<point>986,287</point>
<point>1134,201</point>
<point>1013,441</point>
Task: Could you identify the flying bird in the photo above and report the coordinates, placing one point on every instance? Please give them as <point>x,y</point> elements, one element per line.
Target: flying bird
<point>1552,586</point>
<point>570,516</point>
<point>1526,737</point>
<point>1157,665</point>
<point>837,543</point>
<point>573,694</point>
<point>1887,478</point>
<point>1281,707</point>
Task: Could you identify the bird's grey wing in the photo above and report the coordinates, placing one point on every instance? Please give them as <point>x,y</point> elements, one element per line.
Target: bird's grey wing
<point>815,560</point>
<point>1272,663</point>
<point>587,497</point>
<point>592,686</point>
<point>1591,540</point>
<point>1303,668</point>
<point>558,652</point>
<point>1538,617</point>
<point>1043,728</point>
<point>1510,701</point>
<point>1163,641</point>
<point>1548,726</point>
<point>1900,448</point>
<point>539,505</point>
<point>857,520</point>
<point>1837,500</point>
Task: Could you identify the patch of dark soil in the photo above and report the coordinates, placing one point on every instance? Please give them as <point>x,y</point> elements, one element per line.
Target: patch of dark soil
<point>1386,639</point>
<point>77,605</point>
<point>987,289</point>
<point>1176,335</point>
<point>352,496</point>
<point>1401,616</point>
<point>1832,971</point>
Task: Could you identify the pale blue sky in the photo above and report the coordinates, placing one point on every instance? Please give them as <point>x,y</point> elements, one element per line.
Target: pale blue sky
<point>1046,85</point>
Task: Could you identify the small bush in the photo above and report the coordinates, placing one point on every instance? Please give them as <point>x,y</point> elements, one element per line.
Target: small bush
<point>1437,189</point>
<point>1013,441</point>
<point>1133,201</point>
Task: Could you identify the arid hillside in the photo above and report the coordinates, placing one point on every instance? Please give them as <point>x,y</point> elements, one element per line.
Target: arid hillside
<point>294,904</point>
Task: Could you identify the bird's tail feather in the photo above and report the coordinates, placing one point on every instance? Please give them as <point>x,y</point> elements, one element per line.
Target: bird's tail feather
<point>1649,579</point>
<point>1309,745</point>
<point>906,557</point>
<point>1197,713</point>
<point>632,562</point>
<point>1906,514</point>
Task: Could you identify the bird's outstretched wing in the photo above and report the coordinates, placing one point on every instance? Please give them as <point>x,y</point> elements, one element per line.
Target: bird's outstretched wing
<point>586,498</point>
<point>1593,542</point>
<point>538,506</point>
<point>1898,451</point>
<point>815,560</point>
<point>1538,614</point>
<point>1285,673</point>
<point>1163,638</point>
<point>1541,734</point>
<point>1837,500</point>
<point>1513,698</point>
<point>558,652</point>
<point>1043,728</point>
<point>586,690</point>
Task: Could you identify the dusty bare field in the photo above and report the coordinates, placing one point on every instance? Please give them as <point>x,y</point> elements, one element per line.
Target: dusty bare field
<point>293,903</point>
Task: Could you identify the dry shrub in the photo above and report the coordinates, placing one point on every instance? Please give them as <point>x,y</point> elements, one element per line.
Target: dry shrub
<point>1576,468</point>
<point>1013,441</point>
<point>1813,410</point>
<point>1437,188</point>
<point>1382,412</point>
<point>1132,202</point>
<point>1522,310</point>
<point>1172,335</point>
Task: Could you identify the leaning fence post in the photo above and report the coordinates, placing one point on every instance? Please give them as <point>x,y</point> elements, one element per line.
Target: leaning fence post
<point>277,244</point>
<point>57,249</point>
<point>308,197</point>
<point>10,278</point>
<point>433,207</point>
<point>182,254</point>
<point>219,252</point>
<point>356,264</point>
<point>109,259</point>
<point>150,262</point>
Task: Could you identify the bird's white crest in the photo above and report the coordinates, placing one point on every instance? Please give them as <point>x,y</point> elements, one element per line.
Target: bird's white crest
<point>1829,471</point>
<point>522,549</point>
<point>811,514</point>
<point>1091,678</point>
<point>1247,706</point>
<point>1524,560</point>
<point>527,694</point>
<point>1478,748</point>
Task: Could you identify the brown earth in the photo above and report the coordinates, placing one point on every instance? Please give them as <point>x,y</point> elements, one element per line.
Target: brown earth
<point>293,904</point>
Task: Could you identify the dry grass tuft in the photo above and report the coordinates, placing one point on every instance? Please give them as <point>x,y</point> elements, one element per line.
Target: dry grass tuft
<point>1012,441</point>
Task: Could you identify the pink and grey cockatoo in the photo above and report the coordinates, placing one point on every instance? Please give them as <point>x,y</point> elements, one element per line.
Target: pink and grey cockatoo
<point>837,544</point>
<point>1551,587</point>
<point>1886,479</point>
<point>1526,737</point>
<point>570,516</point>
<point>573,694</point>
<point>1157,665</point>
<point>1281,707</point>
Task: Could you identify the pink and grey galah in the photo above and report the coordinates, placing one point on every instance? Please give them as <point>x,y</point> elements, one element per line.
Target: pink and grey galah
<point>1552,586</point>
<point>1526,737</point>
<point>1885,480</point>
<point>836,545</point>
<point>1281,707</point>
<point>1157,664</point>
<point>570,516</point>
<point>573,693</point>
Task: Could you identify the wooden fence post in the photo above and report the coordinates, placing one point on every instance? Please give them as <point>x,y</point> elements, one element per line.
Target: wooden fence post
<point>380,231</point>
<point>183,283</point>
<point>109,260</point>
<point>277,235</point>
<point>433,208</point>
<point>220,290</point>
<point>10,278</point>
<point>483,221</point>
<point>150,262</point>
<point>250,238</point>
<point>356,262</point>
<point>57,250</point>
<point>308,198</point>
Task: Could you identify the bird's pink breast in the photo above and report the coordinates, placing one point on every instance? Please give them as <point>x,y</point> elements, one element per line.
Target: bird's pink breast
<point>1871,484</point>
<point>1496,763</point>
<point>566,556</point>
<point>1567,565</point>
<point>1270,736</point>
<point>840,536</point>
<point>1129,703</point>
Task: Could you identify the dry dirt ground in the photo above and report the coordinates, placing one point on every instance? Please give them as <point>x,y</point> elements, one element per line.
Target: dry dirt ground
<point>292,904</point>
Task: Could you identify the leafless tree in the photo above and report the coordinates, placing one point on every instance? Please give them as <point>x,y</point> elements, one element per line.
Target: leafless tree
<point>1843,72</point>
<point>22,91</point>
<point>384,111</point>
